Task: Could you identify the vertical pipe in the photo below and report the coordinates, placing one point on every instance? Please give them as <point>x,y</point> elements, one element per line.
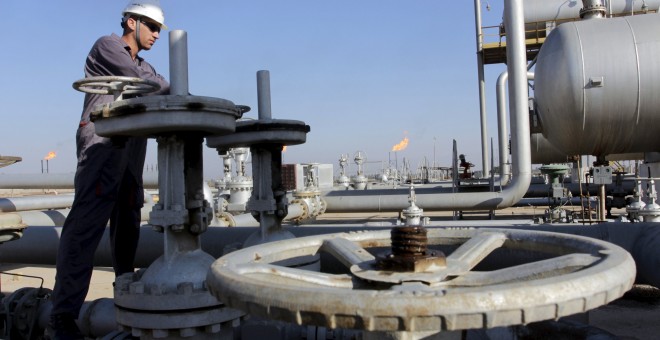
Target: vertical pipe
<point>179,63</point>
<point>601,203</point>
<point>516,56</point>
<point>482,87</point>
<point>503,133</point>
<point>500,92</point>
<point>263,94</point>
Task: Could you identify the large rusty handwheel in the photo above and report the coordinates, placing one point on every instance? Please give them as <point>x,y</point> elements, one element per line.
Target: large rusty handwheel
<point>541,276</point>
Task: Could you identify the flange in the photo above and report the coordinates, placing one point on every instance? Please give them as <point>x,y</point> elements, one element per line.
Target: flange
<point>269,131</point>
<point>160,115</point>
<point>564,275</point>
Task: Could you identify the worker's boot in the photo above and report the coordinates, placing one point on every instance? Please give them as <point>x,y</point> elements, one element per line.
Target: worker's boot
<point>64,327</point>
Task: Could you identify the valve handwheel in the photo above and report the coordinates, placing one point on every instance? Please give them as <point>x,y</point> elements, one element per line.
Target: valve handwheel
<point>538,276</point>
<point>115,85</point>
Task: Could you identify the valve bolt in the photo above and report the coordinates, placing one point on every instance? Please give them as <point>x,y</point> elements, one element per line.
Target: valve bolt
<point>410,252</point>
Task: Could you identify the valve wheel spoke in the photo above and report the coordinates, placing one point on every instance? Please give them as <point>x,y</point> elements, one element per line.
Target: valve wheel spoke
<point>115,85</point>
<point>492,278</point>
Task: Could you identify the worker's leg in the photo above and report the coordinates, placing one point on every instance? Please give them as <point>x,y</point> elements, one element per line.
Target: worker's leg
<point>125,225</point>
<point>97,184</point>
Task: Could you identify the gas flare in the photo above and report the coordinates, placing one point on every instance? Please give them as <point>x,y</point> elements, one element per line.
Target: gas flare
<point>402,145</point>
<point>50,155</point>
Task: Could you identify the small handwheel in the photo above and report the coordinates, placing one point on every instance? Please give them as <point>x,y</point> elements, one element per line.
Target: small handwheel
<point>115,85</point>
<point>489,278</point>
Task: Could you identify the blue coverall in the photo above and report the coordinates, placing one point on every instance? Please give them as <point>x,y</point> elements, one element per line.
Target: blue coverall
<point>108,185</point>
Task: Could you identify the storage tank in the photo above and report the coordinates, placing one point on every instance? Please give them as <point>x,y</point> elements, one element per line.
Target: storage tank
<point>597,86</point>
<point>551,10</point>
<point>543,152</point>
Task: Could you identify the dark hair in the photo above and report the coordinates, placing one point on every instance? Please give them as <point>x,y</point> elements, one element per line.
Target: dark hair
<point>125,18</point>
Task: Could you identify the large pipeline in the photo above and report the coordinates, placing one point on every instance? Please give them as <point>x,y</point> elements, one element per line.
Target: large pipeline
<point>59,181</point>
<point>38,246</point>
<point>383,200</point>
<point>37,202</point>
<point>294,211</point>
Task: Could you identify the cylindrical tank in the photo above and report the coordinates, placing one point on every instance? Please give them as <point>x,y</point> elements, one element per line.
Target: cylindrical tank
<point>597,86</point>
<point>551,10</point>
<point>545,153</point>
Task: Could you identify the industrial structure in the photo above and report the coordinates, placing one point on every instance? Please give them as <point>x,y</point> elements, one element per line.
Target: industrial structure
<point>249,256</point>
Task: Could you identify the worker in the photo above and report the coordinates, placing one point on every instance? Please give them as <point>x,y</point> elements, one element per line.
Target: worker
<point>108,180</point>
<point>466,167</point>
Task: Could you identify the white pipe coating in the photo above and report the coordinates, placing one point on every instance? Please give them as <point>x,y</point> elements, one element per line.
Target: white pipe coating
<point>295,210</point>
<point>59,181</point>
<point>503,132</point>
<point>482,89</point>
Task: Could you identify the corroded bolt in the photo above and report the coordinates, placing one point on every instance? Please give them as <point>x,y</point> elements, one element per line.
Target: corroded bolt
<point>410,252</point>
<point>409,241</point>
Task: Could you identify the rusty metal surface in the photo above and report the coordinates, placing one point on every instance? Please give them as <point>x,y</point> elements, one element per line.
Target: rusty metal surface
<point>575,274</point>
<point>410,252</point>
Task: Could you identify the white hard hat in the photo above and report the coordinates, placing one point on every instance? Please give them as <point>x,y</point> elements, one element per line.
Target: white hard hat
<point>146,8</point>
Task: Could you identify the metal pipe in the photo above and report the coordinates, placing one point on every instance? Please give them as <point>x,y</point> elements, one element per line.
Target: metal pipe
<point>263,95</point>
<point>295,211</point>
<point>601,202</point>
<point>59,181</point>
<point>503,132</point>
<point>482,88</point>
<point>541,190</point>
<point>366,200</point>
<point>96,318</point>
<point>55,218</point>
<point>13,204</point>
<point>179,69</point>
<point>642,240</point>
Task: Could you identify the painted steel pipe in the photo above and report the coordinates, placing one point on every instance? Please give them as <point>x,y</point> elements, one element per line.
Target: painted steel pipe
<point>55,218</point>
<point>502,130</point>
<point>247,220</point>
<point>482,88</point>
<point>39,202</point>
<point>641,240</point>
<point>95,320</point>
<point>59,181</point>
<point>541,190</point>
